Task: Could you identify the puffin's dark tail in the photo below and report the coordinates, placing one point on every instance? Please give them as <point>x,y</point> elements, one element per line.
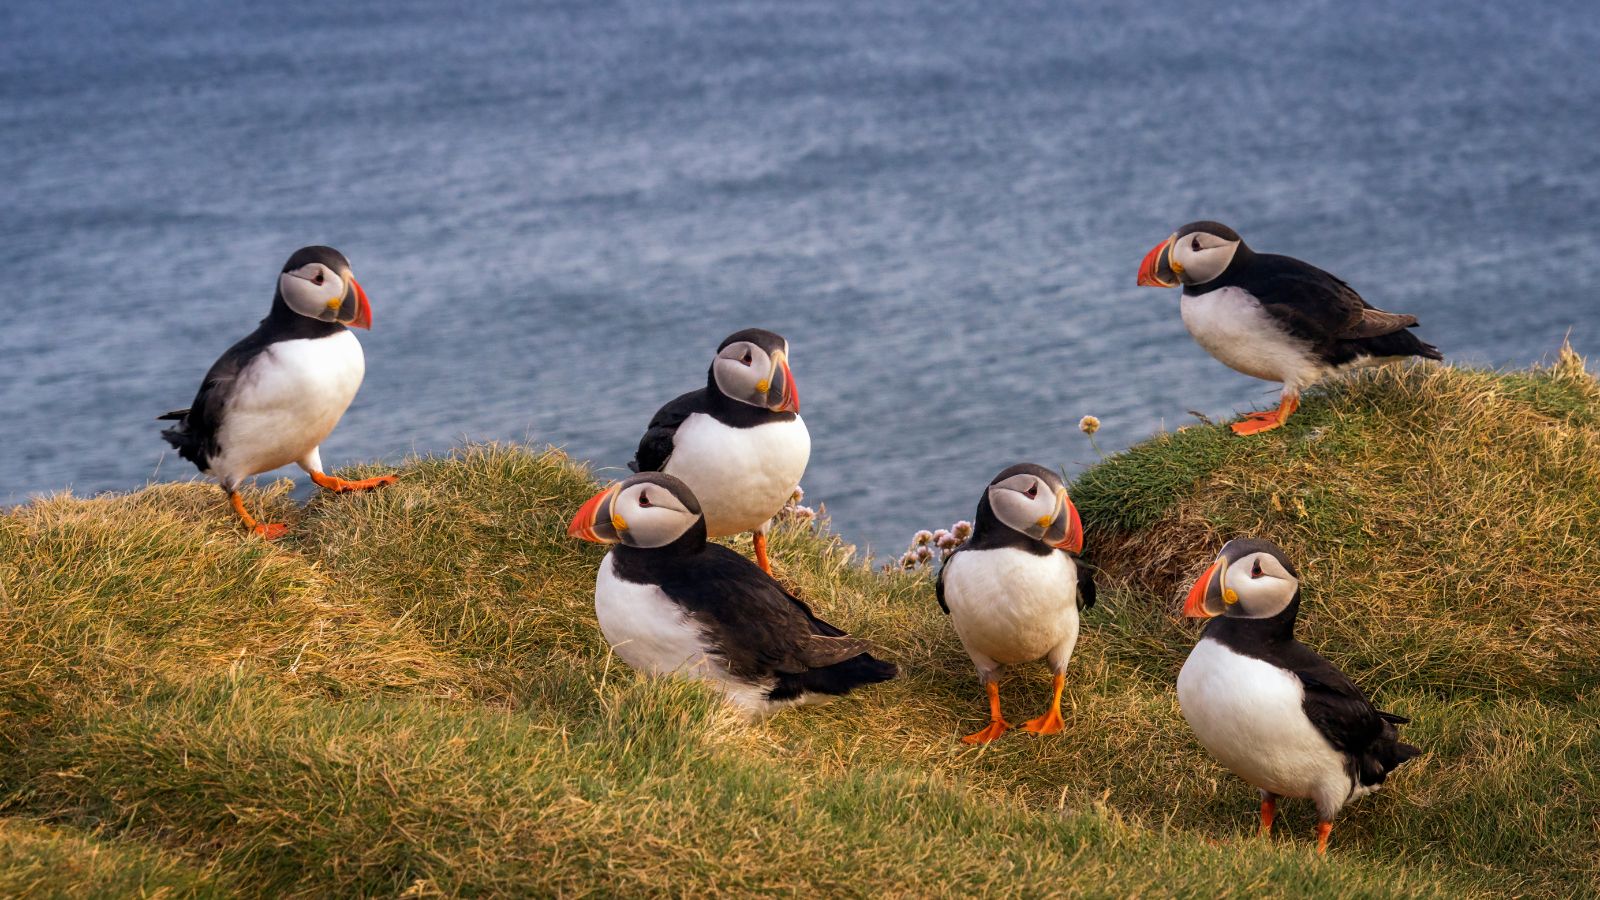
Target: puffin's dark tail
<point>180,437</point>
<point>1397,343</point>
<point>839,678</point>
<point>1385,754</point>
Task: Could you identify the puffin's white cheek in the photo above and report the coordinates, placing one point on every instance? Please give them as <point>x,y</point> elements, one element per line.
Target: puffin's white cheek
<point>736,380</point>
<point>331,290</point>
<point>1261,597</point>
<point>311,299</point>
<point>1209,264</point>
<point>655,526</point>
<point>1017,511</point>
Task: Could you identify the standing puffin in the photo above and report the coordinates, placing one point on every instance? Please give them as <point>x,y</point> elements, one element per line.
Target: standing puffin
<point>1267,706</point>
<point>273,398</point>
<point>1273,317</point>
<point>670,602</point>
<point>739,442</point>
<point>1013,591</point>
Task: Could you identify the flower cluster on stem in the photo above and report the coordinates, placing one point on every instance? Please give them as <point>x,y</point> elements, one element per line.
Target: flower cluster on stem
<point>926,545</point>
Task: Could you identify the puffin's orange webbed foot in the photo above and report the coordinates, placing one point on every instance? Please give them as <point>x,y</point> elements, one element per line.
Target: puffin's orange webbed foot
<point>1050,722</point>
<point>1269,810</point>
<point>1257,422</point>
<point>270,531</point>
<point>340,486</point>
<point>1323,830</point>
<point>994,730</point>
<point>997,723</point>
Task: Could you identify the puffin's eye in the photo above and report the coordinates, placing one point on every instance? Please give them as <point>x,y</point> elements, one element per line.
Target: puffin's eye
<point>748,359</point>
<point>1195,246</point>
<point>318,279</point>
<point>1255,569</point>
<point>1033,490</point>
<point>644,500</point>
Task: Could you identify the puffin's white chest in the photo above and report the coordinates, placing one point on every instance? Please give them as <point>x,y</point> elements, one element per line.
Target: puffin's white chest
<point>1249,714</point>
<point>1231,325</point>
<point>1012,606</point>
<point>642,624</point>
<point>741,476</point>
<point>654,636</point>
<point>286,402</point>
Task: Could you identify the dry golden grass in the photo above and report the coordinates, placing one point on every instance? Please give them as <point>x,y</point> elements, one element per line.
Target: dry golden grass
<point>106,599</point>
<point>38,861</point>
<point>409,695</point>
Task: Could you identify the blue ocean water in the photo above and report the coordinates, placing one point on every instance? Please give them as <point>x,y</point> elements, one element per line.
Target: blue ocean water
<point>559,209</point>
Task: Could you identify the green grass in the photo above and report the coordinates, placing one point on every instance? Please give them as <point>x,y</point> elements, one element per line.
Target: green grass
<point>409,695</point>
<point>41,861</point>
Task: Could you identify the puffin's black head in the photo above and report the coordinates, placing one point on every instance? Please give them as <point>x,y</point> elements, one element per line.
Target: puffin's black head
<point>1251,579</point>
<point>316,283</point>
<point>752,366</point>
<point>1032,500</point>
<point>1195,254</point>
<point>649,510</point>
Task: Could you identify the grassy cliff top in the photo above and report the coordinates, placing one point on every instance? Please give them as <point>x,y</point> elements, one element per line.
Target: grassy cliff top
<point>409,694</point>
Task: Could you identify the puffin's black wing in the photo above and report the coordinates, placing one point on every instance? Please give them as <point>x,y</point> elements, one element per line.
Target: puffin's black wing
<point>938,584</point>
<point>763,631</point>
<point>195,435</point>
<point>1311,304</point>
<point>656,445</point>
<point>1085,582</point>
<point>1337,707</point>
<point>1321,309</point>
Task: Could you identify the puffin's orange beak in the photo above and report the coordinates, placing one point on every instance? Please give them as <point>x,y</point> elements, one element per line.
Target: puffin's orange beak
<point>790,392</point>
<point>363,317</point>
<point>593,520</point>
<point>1195,606</point>
<point>1072,540</point>
<point>1156,269</point>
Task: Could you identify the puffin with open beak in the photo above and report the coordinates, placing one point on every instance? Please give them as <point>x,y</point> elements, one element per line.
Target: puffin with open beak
<point>670,603</point>
<point>739,442</point>
<point>1013,591</point>
<point>274,397</point>
<point>1267,706</point>
<point>1274,317</point>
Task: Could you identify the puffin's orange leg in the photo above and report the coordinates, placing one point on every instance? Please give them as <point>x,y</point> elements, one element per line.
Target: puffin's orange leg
<point>340,486</point>
<point>997,724</point>
<point>1269,809</point>
<point>1323,830</point>
<point>1050,722</point>
<point>760,540</point>
<point>269,530</point>
<point>1257,422</point>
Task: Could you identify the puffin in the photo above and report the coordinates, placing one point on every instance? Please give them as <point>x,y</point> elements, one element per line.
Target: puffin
<point>276,395</point>
<point>1270,708</point>
<point>739,442</point>
<point>1274,317</point>
<point>1013,591</point>
<point>671,603</point>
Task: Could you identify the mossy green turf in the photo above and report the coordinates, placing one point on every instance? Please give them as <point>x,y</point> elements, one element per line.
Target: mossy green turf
<point>409,694</point>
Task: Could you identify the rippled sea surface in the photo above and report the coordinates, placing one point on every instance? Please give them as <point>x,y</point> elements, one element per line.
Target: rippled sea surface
<point>560,209</point>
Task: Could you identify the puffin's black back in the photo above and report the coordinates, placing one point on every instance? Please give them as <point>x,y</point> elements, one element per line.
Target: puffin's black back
<point>1364,734</point>
<point>757,627</point>
<point>1319,308</point>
